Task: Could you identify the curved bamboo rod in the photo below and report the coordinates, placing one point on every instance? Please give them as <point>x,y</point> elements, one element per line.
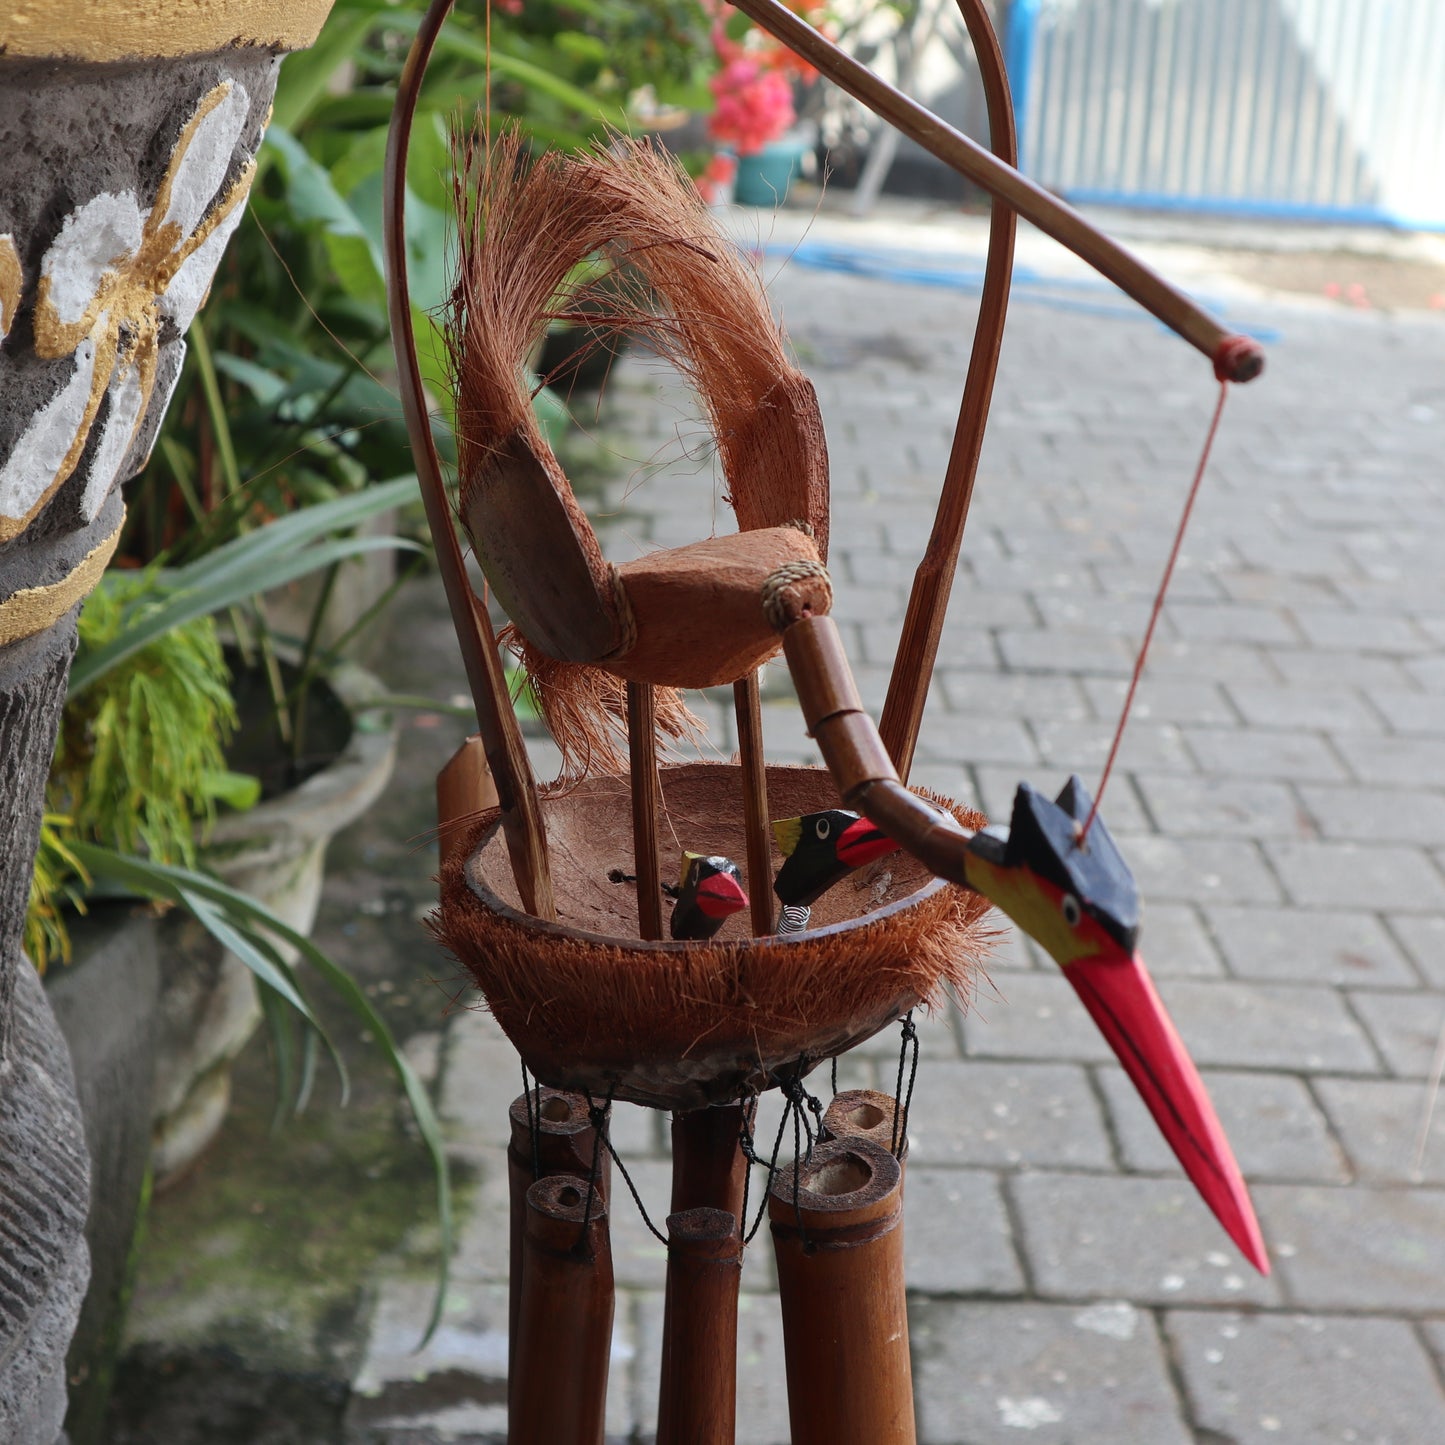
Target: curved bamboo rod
<point>1235,358</point>
<point>501,736</point>
<point>933,581</point>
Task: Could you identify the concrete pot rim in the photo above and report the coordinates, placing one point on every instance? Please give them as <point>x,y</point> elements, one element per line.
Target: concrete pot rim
<point>332,798</point>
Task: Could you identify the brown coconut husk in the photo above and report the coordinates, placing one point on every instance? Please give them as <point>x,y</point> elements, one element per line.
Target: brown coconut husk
<point>680,1025</point>
<point>681,285</point>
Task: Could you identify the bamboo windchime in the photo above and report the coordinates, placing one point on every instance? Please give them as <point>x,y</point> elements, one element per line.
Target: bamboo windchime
<point>574,965</point>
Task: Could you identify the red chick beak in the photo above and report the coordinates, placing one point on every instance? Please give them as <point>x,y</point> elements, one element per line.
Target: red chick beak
<point>1120,996</point>
<point>720,895</point>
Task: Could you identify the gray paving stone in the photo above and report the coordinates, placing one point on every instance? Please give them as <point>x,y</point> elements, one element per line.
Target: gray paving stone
<point>1001,741</point>
<point>1329,628</point>
<point>1377,815</point>
<point>1164,699</point>
<point>1198,870</point>
<point>1074,653</point>
<point>1238,661</point>
<point>1405,1027</point>
<point>1151,1241</point>
<point>1357,875</point>
<point>1084,747</point>
<point>1231,622</point>
<point>1176,943</point>
<point>997,786</point>
<point>1034,1115</point>
<point>1121,617</point>
<point>1302,708</point>
<point>480,1078</point>
<point>1267,1026</point>
<point>1031,697</point>
<point>1410,712</point>
<point>1219,807</point>
<point>956,1235</point>
<point>1258,753</point>
<point>1402,763</point>
<point>1273,1125</point>
<point>1378,1122</point>
<point>967,647</point>
<point>1032,1016</point>
<point>1059,1374</point>
<point>1326,945</point>
<point>1263,1379</point>
<point>1424,937</point>
<point>1368,1249</point>
<point>1368,672</point>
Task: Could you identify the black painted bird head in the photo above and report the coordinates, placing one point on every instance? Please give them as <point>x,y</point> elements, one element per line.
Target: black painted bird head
<point>709,892</point>
<point>820,848</point>
<point>1076,899</point>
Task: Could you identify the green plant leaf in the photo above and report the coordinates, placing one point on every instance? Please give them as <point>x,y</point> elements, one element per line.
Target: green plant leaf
<point>305,75</point>
<point>236,790</point>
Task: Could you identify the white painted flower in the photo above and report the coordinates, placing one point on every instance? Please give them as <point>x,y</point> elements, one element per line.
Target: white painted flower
<point>112,275</point>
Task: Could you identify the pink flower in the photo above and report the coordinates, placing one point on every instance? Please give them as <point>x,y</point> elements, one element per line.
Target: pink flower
<point>754,105</point>
<point>717,174</point>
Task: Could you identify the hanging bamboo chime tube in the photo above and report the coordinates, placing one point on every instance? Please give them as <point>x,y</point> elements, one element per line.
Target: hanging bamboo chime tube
<point>839,1249</point>
<point>708,1167</point>
<point>869,1115</point>
<point>566,1143</point>
<point>564,1328</point>
<point>697,1402</point>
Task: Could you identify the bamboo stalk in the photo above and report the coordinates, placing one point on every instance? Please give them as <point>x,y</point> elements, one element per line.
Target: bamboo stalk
<point>839,1250</point>
<point>864,1114</point>
<point>564,1325</point>
<point>933,581</point>
<point>697,1399</point>
<point>708,1167</point>
<point>566,1143</point>
<point>506,753</point>
<point>1047,212</point>
<point>646,795</point>
<point>748,707</point>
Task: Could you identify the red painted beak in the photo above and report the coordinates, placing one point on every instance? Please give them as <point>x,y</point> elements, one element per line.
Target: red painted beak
<point>1120,996</point>
<point>720,895</point>
<point>861,842</point>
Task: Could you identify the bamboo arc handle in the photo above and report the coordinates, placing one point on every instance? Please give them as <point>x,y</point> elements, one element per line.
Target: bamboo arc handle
<point>1235,358</point>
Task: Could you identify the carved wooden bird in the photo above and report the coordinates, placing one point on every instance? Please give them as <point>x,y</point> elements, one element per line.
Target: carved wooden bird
<point>821,848</point>
<point>709,892</point>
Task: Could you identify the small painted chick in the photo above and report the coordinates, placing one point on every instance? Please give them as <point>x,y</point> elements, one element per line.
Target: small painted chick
<point>821,848</point>
<point>709,892</point>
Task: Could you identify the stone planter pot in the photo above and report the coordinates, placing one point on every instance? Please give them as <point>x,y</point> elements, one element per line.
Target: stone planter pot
<point>276,853</point>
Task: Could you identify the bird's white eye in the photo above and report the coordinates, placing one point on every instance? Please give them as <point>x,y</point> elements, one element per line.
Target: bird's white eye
<point>1072,911</point>
<point>822,828</point>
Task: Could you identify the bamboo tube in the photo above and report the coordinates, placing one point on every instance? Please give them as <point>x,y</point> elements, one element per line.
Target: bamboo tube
<point>1241,359</point>
<point>464,789</point>
<point>646,793</point>
<point>506,753</point>
<point>865,1114</point>
<point>708,1167</point>
<point>839,1252</point>
<point>747,704</point>
<point>933,581</point>
<point>697,1402</point>
<point>566,1144</point>
<point>564,1327</point>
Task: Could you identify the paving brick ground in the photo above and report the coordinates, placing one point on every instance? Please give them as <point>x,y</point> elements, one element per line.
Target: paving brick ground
<point>1281,795</point>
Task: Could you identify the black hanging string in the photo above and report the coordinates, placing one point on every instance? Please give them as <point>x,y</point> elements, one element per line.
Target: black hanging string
<point>746,1144</point>
<point>834,1073</point>
<point>604,1138</point>
<point>902,1101</point>
<point>600,1117</point>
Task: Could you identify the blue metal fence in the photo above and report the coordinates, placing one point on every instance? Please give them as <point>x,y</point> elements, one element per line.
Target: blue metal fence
<point>1312,109</point>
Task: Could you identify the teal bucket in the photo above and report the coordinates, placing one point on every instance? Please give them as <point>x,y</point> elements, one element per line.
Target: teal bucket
<point>763,178</point>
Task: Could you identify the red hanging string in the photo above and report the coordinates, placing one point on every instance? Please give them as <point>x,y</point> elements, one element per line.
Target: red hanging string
<point>1157,608</point>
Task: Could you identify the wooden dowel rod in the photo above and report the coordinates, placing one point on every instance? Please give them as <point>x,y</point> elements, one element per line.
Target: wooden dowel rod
<point>566,1143</point>
<point>646,795</point>
<point>506,753</point>
<point>917,652</point>
<point>839,1251</point>
<point>697,1398</point>
<point>1048,213</point>
<point>564,1326</point>
<point>748,706</point>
